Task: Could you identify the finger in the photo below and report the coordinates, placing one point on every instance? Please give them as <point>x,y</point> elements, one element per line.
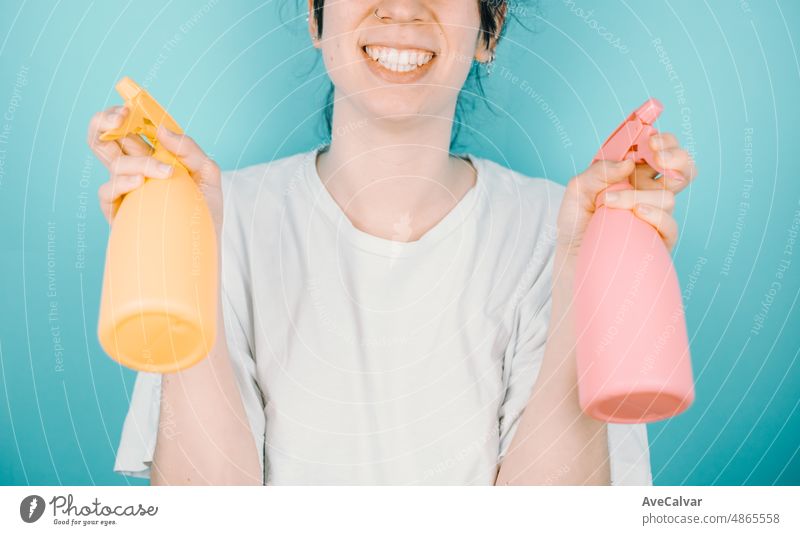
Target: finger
<point>663,140</point>
<point>101,122</point>
<point>598,177</point>
<point>140,165</point>
<point>661,199</point>
<point>133,145</point>
<point>661,220</point>
<point>643,176</point>
<point>110,193</point>
<point>680,163</point>
<point>105,120</point>
<point>189,153</point>
<point>118,186</point>
<point>676,159</point>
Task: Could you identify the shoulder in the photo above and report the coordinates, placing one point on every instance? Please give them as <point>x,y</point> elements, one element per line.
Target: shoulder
<point>524,209</point>
<point>254,197</point>
<point>520,194</point>
<point>270,180</point>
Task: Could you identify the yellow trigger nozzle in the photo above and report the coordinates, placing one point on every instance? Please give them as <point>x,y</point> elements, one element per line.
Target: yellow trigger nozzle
<point>144,117</point>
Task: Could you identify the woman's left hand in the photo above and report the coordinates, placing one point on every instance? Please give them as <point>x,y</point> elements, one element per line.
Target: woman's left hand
<point>651,200</point>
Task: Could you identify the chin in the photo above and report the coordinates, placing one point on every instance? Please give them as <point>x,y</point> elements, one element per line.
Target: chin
<point>392,105</point>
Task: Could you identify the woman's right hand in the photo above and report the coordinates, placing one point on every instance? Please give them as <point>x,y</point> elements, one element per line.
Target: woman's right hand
<point>129,160</point>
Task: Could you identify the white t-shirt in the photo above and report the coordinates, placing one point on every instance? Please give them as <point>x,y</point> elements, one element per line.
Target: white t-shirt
<point>363,360</point>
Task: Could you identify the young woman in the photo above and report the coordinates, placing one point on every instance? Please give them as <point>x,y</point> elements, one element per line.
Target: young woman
<point>393,313</point>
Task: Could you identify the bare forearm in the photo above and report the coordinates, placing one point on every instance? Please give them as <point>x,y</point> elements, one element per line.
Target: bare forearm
<point>555,442</point>
<point>204,437</point>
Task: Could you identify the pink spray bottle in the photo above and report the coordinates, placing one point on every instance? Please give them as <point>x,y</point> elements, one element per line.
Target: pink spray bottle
<point>633,356</point>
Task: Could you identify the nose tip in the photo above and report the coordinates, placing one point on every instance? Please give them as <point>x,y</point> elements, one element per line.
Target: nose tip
<point>400,12</point>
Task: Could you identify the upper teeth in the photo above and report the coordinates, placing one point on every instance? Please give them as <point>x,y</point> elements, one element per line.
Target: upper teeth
<point>398,60</point>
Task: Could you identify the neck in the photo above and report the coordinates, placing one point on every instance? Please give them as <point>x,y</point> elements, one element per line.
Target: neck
<point>384,170</point>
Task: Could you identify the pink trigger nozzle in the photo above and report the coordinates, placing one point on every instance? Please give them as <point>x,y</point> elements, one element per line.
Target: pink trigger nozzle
<point>649,111</point>
<point>631,139</point>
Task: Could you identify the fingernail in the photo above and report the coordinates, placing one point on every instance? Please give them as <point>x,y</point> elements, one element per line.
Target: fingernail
<point>643,208</point>
<point>165,170</point>
<point>119,112</point>
<point>612,196</point>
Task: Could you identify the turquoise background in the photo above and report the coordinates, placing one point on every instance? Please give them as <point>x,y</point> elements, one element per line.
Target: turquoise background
<point>242,79</point>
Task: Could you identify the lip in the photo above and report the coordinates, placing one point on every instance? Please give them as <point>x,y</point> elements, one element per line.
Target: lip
<point>392,76</point>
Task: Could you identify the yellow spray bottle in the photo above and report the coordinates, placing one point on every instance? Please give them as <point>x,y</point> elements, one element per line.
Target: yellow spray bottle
<point>158,306</point>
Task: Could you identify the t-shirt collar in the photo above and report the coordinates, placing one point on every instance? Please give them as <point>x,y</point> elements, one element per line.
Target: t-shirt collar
<point>323,201</point>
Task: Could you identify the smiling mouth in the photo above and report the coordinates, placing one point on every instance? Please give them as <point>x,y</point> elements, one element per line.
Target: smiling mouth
<point>400,60</point>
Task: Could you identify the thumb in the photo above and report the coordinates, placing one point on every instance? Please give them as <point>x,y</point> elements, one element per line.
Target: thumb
<point>602,174</point>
